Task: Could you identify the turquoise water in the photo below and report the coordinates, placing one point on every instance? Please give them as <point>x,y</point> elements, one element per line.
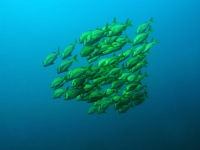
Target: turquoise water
<point>30,119</point>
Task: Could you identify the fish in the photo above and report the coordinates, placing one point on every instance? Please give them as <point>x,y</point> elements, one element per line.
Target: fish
<point>68,50</point>
<point>144,26</point>
<point>77,72</point>
<point>49,59</point>
<point>64,65</point>
<point>140,38</point>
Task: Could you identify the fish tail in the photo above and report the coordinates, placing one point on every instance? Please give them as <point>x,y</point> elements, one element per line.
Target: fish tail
<point>115,21</point>
<point>75,58</point>
<point>145,74</point>
<point>58,51</point>
<point>129,40</point>
<point>151,20</point>
<point>145,85</point>
<point>150,29</point>
<point>145,92</point>
<point>128,23</point>
<point>75,41</point>
<point>156,41</point>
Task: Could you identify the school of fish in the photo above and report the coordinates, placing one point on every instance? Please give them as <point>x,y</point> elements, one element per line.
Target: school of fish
<point>86,81</point>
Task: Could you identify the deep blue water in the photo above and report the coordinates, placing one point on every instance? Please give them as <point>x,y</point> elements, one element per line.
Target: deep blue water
<point>31,120</point>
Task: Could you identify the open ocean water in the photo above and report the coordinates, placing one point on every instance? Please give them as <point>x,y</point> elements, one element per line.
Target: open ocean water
<point>30,119</point>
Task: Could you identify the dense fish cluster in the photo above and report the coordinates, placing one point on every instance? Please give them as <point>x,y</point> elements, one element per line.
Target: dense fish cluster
<point>86,81</point>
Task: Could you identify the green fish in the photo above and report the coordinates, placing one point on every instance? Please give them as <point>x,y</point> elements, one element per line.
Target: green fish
<point>77,72</point>
<point>100,80</point>
<point>143,27</point>
<point>51,58</point>
<point>126,94</point>
<point>140,101</point>
<point>125,108</point>
<point>64,65</point>
<point>89,87</point>
<point>140,38</point>
<point>58,82</point>
<point>139,66</point>
<point>68,50</point>
<point>111,92</point>
<point>111,39</point>
<point>71,94</point>
<point>132,78</point>
<point>126,54</point>
<point>139,87</point>
<point>110,79</point>
<point>92,110</point>
<point>138,95</point>
<point>132,62</point>
<point>83,36</point>
<point>95,96</point>
<point>149,45</point>
<point>97,103</point>
<point>58,93</point>
<point>119,28</point>
<point>94,36</point>
<point>116,99</point>
<point>121,103</point>
<point>125,75</point>
<point>78,81</point>
<point>87,50</point>
<point>105,103</point>
<point>139,50</point>
<point>140,77</point>
<point>131,87</point>
<point>93,59</point>
<point>94,71</point>
<point>117,84</point>
<point>101,110</point>
<point>116,70</point>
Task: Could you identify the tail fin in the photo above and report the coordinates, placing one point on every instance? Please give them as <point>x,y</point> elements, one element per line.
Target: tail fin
<point>129,40</point>
<point>90,67</point>
<point>114,21</point>
<point>131,105</point>
<point>150,29</point>
<point>139,73</point>
<point>128,23</point>
<point>151,20</point>
<point>123,68</point>
<point>74,59</point>
<point>58,51</point>
<point>75,41</point>
<point>156,41</point>
<point>145,62</point>
<point>145,85</point>
<point>145,74</point>
<point>145,92</point>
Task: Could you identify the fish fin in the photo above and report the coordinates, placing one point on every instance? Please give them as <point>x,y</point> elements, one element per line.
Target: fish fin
<point>131,105</point>
<point>156,41</point>
<point>128,23</point>
<point>129,40</point>
<point>145,74</point>
<point>75,58</point>
<point>75,41</point>
<point>58,51</point>
<point>151,20</point>
<point>150,29</point>
<point>145,92</point>
<point>114,21</point>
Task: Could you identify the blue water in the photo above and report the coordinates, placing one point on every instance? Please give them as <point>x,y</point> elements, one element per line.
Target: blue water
<point>31,120</point>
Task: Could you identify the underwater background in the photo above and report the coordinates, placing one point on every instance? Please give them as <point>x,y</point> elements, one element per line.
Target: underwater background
<point>31,119</point>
